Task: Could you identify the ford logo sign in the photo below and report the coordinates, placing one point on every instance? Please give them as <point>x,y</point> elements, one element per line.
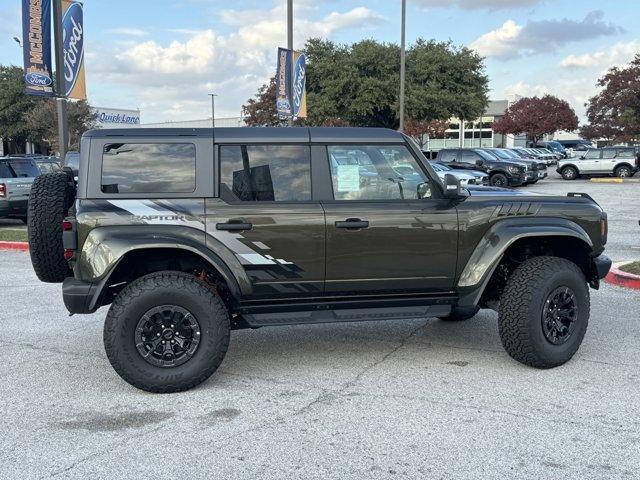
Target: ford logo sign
<point>73,44</point>
<point>299,78</point>
<point>38,79</point>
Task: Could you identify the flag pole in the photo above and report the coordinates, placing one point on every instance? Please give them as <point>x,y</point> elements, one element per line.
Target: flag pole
<point>61,100</point>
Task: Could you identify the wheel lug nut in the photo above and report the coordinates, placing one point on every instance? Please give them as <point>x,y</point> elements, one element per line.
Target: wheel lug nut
<point>157,334</point>
<point>171,326</point>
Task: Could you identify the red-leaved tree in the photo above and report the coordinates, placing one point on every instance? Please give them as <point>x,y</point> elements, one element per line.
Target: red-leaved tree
<point>614,113</point>
<point>418,129</point>
<point>537,116</point>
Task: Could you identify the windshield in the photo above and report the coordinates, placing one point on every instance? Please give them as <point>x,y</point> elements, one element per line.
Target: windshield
<point>510,154</point>
<point>24,167</point>
<point>500,154</point>
<point>485,155</point>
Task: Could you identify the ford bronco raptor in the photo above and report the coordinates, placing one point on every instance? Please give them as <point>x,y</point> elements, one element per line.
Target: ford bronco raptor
<point>189,233</point>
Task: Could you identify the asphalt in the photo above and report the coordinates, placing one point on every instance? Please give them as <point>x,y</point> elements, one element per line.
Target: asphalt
<point>403,399</point>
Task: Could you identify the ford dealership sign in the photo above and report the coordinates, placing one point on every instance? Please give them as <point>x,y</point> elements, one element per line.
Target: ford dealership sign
<point>117,117</point>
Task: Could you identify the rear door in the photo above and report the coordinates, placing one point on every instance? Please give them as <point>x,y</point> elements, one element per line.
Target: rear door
<point>266,216</point>
<point>381,238</point>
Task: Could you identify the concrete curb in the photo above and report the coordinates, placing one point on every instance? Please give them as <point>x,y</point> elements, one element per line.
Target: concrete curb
<point>622,279</point>
<point>615,180</point>
<point>15,246</point>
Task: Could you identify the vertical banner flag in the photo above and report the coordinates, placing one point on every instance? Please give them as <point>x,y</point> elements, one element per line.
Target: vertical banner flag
<point>283,83</point>
<point>299,85</point>
<point>291,96</point>
<point>73,46</point>
<point>36,47</point>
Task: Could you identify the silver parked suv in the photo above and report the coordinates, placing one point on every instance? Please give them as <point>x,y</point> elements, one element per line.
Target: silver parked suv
<point>619,161</point>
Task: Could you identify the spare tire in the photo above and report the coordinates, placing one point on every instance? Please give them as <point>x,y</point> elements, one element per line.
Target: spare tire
<point>52,194</point>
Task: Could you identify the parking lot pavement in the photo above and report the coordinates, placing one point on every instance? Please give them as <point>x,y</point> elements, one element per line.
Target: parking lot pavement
<point>12,224</point>
<point>414,399</point>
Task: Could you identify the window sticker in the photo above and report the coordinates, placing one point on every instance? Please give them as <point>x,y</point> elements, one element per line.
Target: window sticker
<point>348,178</point>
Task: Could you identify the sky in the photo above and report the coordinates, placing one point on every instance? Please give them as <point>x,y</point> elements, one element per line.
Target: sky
<point>165,56</point>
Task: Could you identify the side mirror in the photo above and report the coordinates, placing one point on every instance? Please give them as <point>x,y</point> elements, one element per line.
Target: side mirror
<point>582,157</point>
<point>424,190</point>
<point>451,186</point>
<point>479,162</point>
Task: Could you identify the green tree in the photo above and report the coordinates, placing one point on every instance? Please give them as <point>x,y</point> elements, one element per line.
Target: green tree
<point>42,122</point>
<point>13,104</point>
<point>359,84</point>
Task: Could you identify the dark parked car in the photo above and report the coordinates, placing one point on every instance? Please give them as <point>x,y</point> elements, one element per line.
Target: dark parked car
<point>502,173</point>
<point>536,169</point>
<point>189,233</point>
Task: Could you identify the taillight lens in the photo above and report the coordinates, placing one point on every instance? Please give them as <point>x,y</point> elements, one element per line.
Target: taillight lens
<point>67,226</point>
<point>604,229</point>
<point>3,190</point>
<point>68,254</point>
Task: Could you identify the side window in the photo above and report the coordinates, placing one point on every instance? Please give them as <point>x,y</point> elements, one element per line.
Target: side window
<point>626,154</point>
<point>593,154</point>
<point>447,156</point>
<point>469,157</point>
<point>265,173</point>
<point>5,171</point>
<point>149,168</point>
<point>382,172</point>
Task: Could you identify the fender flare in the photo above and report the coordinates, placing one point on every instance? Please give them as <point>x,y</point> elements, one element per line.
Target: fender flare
<point>490,250</point>
<point>105,247</point>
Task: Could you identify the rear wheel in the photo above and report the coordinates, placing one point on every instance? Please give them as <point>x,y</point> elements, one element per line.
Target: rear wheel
<point>569,173</point>
<point>166,332</point>
<point>622,171</point>
<point>52,194</point>
<point>499,180</point>
<point>544,312</point>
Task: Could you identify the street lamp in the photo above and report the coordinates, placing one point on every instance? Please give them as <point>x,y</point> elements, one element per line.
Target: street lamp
<point>17,40</point>
<point>213,109</point>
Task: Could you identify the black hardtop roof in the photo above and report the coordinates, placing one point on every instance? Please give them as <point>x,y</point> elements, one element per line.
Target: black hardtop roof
<point>262,134</point>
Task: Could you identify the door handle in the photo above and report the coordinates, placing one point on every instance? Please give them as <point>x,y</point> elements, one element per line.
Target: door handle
<point>352,224</point>
<point>234,224</point>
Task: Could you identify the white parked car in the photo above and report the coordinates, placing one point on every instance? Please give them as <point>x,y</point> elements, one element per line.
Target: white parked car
<point>619,161</point>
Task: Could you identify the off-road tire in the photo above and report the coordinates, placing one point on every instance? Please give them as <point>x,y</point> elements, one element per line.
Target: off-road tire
<point>163,288</point>
<point>499,180</point>
<point>569,173</point>
<point>521,307</point>
<point>52,194</point>
<point>622,171</point>
<point>459,315</point>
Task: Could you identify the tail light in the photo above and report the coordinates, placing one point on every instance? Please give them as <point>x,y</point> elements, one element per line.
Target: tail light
<point>67,226</point>
<point>604,229</point>
<point>3,190</point>
<point>69,238</point>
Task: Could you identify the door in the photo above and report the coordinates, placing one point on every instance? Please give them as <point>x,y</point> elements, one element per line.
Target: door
<point>266,217</point>
<point>380,236</point>
<point>591,161</point>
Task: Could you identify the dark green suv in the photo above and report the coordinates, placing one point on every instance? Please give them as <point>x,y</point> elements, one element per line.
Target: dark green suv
<point>188,234</point>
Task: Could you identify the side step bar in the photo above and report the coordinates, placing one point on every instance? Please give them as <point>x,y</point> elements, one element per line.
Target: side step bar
<point>255,320</point>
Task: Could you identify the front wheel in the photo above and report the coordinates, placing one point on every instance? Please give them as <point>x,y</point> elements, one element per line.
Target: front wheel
<point>499,180</point>
<point>544,312</point>
<point>569,173</point>
<point>166,332</point>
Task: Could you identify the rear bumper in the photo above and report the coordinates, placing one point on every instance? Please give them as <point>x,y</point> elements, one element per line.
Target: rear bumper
<point>78,295</point>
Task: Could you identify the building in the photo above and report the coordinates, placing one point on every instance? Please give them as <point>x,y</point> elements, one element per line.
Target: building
<point>477,133</point>
<point>203,123</point>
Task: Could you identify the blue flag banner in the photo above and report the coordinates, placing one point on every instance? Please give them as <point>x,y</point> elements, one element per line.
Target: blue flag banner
<point>36,47</point>
<point>73,46</point>
<point>283,83</point>
<point>299,85</point>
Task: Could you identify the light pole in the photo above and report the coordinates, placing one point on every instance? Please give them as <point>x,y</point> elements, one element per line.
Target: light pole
<point>402,63</point>
<point>213,109</point>
<point>290,48</point>
<point>61,99</point>
<point>17,40</point>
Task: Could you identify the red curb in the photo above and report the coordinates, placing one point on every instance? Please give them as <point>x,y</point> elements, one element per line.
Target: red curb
<point>19,246</point>
<point>623,279</point>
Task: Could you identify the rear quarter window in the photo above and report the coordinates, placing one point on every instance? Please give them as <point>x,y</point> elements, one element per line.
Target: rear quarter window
<point>24,167</point>
<point>148,168</point>
<point>5,171</point>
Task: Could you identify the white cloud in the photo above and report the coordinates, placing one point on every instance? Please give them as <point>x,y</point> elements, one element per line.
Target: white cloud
<point>478,4</point>
<point>134,32</point>
<point>171,80</point>
<point>539,36</point>
<point>617,55</point>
